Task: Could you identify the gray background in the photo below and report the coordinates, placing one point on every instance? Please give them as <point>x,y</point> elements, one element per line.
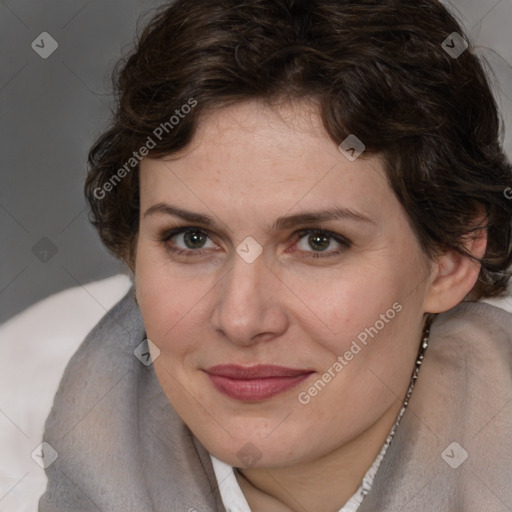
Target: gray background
<point>51,110</point>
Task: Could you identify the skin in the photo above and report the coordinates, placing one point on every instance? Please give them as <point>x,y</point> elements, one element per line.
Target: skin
<point>248,165</point>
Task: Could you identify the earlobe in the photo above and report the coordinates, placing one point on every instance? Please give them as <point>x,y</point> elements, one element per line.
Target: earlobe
<point>454,275</point>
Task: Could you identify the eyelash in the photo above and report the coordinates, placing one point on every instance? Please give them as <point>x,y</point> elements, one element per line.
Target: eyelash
<point>167,235</point>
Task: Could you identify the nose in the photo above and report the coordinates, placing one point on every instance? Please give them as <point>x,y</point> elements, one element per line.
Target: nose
<point>250,303</point>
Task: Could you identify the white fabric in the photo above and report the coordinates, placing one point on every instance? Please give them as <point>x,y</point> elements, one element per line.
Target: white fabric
<point>234,499</point>
<point>35,347</point>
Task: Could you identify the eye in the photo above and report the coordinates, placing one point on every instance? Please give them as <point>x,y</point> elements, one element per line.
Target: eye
<point>187,241</point>
<point>193,242</point>
<point>320,241</point>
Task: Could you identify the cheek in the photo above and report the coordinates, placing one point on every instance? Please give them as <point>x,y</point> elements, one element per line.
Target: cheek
<point>336,308</point>
<point>168,302</point>
<point>170,321</point>
<point>370,319</point>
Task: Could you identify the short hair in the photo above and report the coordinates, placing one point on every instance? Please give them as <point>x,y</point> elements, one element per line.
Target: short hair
<point>381,70</point>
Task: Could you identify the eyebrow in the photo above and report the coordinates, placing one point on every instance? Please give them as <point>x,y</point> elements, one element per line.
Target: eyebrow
<point>285,222</point>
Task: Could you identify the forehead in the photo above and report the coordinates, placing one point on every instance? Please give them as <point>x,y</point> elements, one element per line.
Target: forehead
<point>253,159</point>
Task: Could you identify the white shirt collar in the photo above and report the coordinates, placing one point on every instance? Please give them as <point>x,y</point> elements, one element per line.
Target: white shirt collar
<point>234,499</point>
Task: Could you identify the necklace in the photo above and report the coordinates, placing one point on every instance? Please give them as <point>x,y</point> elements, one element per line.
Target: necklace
<point>370,474</point>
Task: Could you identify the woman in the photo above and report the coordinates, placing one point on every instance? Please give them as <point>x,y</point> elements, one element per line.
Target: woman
<point>311,198</point>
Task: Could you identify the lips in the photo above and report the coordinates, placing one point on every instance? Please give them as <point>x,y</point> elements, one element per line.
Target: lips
<point>255,383</point>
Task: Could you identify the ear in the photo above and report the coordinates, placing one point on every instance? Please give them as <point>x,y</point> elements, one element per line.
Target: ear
<point>454,275</point>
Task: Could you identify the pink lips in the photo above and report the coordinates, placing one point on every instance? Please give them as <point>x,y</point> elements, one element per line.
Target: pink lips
<point>253,383</point>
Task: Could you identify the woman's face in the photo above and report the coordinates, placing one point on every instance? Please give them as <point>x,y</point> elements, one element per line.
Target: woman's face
<point>261,271</point>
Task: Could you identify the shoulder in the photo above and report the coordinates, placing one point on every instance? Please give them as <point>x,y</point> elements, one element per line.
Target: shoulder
<point>483,320</point>
<point>474,340</point>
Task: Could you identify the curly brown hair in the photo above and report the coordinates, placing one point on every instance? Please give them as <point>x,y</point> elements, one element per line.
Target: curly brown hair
<point>378,69</point>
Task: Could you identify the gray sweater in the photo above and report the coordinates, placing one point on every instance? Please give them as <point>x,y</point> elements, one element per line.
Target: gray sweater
<point>121,446</point>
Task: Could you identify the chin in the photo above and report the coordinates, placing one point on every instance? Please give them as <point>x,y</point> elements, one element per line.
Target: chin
<point>260,450</point>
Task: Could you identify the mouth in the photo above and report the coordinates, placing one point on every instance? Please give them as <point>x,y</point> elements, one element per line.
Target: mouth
<point>255,383</point>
